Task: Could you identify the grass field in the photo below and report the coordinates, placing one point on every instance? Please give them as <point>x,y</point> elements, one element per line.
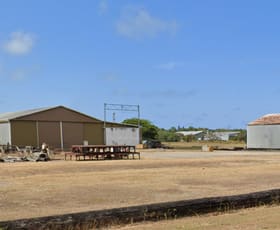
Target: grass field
<point>197,145</point>
<point>33,189</point>
<point>246,219</point>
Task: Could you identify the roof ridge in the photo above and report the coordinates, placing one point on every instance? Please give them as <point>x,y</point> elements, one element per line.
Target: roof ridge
<point>268,119</point>
<point>12,115</point>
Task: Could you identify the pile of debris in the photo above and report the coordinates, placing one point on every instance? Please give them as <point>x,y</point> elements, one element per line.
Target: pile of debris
<point>12,154</point>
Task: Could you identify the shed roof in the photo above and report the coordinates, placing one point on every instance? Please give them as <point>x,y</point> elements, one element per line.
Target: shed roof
<point>269,119</point>
<point>14,115</point>
<point>5,117</point>
<point>188,133</point>
<point>226,133</point>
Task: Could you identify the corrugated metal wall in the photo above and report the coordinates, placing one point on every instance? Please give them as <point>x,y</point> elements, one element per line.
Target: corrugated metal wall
<point>5,133</point>
<point>122,136</point>
<point>49,132</point>
<point>23,133</point>
<point>34,133</point>
<point>94,133</point>
<point>72,134</point>
<point>263,137</point>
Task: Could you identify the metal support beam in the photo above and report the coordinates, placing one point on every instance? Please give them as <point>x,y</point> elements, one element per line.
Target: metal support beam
<point>37,134</point>
<point>61,135</point>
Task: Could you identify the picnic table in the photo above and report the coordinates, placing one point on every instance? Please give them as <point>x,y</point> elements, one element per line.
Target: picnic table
<point>102,152</point>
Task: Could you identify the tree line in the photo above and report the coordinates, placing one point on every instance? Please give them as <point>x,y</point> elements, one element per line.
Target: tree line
<point>151,132</point>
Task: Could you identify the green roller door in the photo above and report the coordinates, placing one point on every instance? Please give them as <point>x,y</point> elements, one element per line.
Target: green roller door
<point>72,134</point>
<point>24,133</point>
<point>49,132</point>
<point>94,133</point>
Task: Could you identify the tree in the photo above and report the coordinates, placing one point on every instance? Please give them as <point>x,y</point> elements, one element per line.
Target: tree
<point>242,136</point>
<point>167,135</point>
<point>149,130</point>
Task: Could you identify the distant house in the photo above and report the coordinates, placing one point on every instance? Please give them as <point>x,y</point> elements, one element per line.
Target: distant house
<point>198,135</point>
<point>225,136</point>
<point>202,135</point>
<point>221,136</point>
<point>264,132</point>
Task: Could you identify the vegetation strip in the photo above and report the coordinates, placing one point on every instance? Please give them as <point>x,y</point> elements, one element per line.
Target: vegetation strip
<point>152,212</point>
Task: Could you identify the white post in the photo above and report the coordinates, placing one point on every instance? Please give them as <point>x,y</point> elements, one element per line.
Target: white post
<point>37,133</point>
<point>61,136</point>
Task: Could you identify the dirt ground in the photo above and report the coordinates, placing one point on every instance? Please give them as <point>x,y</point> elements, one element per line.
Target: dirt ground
<point>32,189</point>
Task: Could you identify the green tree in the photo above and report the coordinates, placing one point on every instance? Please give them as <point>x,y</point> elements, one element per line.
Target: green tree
<point>242,136</point>
<point>167,135</point>
<point>189,138</point>
<point>149,130</point>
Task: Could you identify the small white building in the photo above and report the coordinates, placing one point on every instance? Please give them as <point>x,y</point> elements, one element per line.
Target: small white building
<point>198,135</point>
<point>264,133</point>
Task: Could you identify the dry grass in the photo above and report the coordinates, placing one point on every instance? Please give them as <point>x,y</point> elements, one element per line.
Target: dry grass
<point>248,219</point>
<point>198,144</point>
<point>47,188</point>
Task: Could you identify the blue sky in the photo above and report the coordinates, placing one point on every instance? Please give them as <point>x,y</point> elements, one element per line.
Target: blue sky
<point>195,63</point>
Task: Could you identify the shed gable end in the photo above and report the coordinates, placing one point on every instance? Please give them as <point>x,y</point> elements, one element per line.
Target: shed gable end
<point>59,114</point>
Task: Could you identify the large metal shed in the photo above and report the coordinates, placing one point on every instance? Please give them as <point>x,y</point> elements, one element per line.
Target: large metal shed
<point>264,133</point>
<point>59,127</point>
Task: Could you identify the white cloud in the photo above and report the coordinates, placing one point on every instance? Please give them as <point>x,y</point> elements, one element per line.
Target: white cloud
<point>169,65</point>
<point>20,43</point>
<point>103,7</point>
<point>138,23</point>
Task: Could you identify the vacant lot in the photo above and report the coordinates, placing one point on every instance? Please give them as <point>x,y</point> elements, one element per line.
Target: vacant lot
<point>47,188</point>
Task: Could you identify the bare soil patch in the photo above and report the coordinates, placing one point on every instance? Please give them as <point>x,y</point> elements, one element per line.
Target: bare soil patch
<point>33,189</point>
